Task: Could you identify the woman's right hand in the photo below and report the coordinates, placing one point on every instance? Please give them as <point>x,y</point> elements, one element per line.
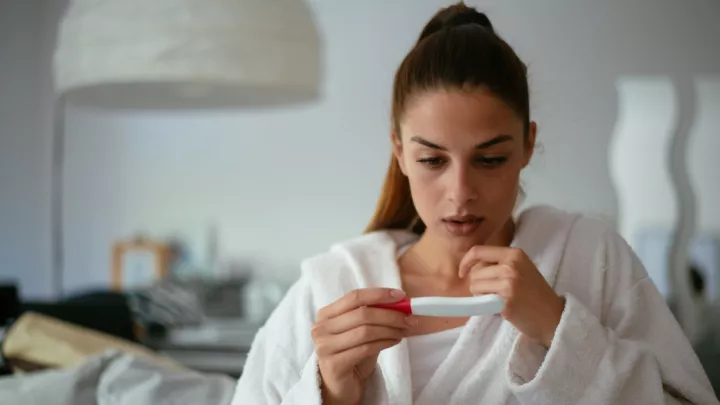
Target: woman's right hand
<point>349,336</point>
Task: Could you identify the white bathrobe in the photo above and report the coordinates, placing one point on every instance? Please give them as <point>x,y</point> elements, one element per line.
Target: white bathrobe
<point>617,341</point>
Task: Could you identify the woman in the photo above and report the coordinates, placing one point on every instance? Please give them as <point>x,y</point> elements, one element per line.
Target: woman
<point>582,324</point>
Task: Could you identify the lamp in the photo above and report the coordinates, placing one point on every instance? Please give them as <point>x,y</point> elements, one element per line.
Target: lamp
<point>187,53</point>
<point>169,54</point>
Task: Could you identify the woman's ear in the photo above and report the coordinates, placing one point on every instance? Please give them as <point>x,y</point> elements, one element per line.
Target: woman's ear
<point>530,143</point>
<point>398,151</point>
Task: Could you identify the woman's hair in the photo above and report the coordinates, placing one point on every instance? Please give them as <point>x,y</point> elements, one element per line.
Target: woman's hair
<point>458,49</point>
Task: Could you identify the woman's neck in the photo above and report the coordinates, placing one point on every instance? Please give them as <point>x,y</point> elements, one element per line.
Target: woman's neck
<point>436,258</point>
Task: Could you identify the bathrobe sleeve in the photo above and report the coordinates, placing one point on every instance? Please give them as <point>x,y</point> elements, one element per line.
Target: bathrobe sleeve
<point>633,352</point>
<point>281,368</point>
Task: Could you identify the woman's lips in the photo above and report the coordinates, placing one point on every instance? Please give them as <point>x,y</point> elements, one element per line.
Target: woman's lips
<point>462,225</point>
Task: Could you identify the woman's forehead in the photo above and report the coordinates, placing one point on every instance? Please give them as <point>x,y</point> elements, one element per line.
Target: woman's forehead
<point>450,114</point>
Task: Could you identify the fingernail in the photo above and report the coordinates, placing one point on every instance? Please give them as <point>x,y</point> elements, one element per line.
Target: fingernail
<point>412,321</point>
<point>397,293</point>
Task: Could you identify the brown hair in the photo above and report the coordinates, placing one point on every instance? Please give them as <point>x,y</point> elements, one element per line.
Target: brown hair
<point>457,49</point>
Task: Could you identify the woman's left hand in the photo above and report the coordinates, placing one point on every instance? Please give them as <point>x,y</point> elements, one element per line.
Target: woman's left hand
<point>531,305</point>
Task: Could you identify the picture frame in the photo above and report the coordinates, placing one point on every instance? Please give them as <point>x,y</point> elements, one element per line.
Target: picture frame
<point>139,263</point>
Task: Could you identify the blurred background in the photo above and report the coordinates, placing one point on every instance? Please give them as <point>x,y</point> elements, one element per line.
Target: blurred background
<point>223,204</point>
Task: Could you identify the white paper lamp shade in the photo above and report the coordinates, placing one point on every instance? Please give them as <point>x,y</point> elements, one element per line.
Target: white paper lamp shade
<point>187,53</point>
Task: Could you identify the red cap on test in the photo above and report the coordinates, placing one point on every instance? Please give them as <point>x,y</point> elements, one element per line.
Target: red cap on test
<point>402,306</point>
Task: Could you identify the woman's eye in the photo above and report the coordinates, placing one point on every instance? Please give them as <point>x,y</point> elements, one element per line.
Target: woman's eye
<point>433,162</point>
<point>492,160</point>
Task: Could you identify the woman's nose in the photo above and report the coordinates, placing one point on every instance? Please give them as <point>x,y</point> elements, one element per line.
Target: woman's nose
<point>461,189</point>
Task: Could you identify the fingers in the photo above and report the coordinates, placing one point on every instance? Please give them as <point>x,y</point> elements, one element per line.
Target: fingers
<point>495,279</point>
<point>500,287</point>
<point>360,336</point>
<point>365,316</point>
<point>488,255</point>
<point>360,298</point>
<point>337,331</point>
<point>498,271</point>
<point>346,360</point>
<point>349,333</point>
<point>480,254</point>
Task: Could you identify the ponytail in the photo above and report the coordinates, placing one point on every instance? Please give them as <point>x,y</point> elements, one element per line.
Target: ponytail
<point>395,208</point>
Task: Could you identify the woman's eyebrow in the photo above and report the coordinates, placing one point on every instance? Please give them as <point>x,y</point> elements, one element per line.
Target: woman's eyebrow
<point>484,145</point>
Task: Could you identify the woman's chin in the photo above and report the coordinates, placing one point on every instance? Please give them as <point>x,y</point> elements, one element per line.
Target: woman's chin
<point>460,244</point>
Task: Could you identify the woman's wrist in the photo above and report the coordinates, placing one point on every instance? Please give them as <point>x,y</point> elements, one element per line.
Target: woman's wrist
<point>331,398</point>
<point>553,321</point>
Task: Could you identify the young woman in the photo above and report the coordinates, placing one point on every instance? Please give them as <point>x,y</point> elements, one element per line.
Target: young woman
<point>582,322</point>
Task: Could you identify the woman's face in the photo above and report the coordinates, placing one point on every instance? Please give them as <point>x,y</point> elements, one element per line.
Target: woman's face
<point>463,152</point>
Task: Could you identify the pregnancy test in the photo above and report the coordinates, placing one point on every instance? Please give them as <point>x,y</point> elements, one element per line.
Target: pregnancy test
<point>448,306</point>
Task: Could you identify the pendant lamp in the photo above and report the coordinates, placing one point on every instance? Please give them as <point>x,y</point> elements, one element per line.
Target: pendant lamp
<point>187,53</point>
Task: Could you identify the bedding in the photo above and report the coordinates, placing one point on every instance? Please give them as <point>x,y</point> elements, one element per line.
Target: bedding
<point>116,378</point>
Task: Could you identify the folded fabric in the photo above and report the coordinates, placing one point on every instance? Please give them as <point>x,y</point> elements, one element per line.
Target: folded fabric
<point>37,341</point>
<point>116,378</point>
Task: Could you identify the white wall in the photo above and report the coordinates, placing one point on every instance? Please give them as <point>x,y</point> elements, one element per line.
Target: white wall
<point>273,181</point>
<point>24,149</point>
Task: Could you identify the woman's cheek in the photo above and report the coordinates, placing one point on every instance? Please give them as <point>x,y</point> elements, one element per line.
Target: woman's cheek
<point>427,193</point>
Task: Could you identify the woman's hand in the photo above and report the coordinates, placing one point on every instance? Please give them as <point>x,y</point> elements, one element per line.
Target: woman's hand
<point>531,305</point>
<point>348,337</point>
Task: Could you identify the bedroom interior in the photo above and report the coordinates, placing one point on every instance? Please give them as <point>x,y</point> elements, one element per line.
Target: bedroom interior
<point>141,192</point>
